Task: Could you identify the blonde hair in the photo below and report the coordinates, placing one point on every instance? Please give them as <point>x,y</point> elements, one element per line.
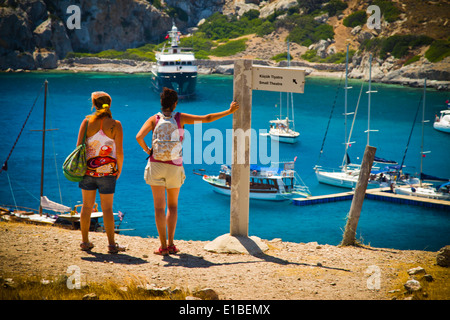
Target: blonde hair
<point>102,103</point>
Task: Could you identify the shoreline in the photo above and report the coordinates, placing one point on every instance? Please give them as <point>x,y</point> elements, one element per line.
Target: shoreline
<point>226,67</point>
<point>286,271</point>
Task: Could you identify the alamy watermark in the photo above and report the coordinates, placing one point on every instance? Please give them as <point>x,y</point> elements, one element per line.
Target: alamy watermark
<point>374,280</point>
<point>374,21</point>
<point>74,20</point>
<point>215,147</point>
<point>220,149</point>
<point>74,280</point>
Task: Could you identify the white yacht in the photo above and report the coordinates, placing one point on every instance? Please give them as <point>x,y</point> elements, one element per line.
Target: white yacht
<point>442,123</point>
<point>175,68</point>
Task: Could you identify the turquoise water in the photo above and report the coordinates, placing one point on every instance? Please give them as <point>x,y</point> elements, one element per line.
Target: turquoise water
<point>203,214</point>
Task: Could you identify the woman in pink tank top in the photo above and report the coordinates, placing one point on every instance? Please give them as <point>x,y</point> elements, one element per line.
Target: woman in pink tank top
<point>104,155</point>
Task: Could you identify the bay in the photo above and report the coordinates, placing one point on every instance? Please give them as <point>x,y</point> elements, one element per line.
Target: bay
<point>203,214</point>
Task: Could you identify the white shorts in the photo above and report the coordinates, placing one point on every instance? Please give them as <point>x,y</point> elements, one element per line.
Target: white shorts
<point>164,175</point>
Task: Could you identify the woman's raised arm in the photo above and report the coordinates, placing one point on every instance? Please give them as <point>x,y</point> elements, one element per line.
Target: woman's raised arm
<point>191,119</point>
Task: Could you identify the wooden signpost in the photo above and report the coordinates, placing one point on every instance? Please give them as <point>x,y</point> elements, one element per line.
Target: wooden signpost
<point>246,79</point>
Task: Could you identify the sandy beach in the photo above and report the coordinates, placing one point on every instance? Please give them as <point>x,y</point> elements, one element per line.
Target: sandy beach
<point>287,271</point>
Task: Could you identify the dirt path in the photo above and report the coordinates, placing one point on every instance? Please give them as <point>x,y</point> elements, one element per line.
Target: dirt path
<point>285,271</point>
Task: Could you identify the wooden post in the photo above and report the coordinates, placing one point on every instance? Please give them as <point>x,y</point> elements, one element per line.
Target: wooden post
<point>240,173</point>
<point>349,237</point>
<point>43,148</point>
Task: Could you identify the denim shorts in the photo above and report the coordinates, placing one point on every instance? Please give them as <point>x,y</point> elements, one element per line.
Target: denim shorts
<point>105,185</point>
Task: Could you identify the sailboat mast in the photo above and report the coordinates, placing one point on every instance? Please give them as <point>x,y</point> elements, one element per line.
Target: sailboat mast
<point>345,110</point>
<point>423,125</point>
<point>370,89</point>
<point>43,147</point>
<point>292,95</point>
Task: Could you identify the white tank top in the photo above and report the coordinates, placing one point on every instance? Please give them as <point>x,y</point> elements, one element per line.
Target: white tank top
<point>101,154</point>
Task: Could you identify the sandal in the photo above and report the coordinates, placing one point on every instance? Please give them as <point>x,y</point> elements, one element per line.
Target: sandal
<point>172,249</point>
<point>161,252</point>
<point>86,246</point>
<point>115,248</point>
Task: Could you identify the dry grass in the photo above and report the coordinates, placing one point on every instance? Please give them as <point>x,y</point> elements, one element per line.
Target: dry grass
<point>39,288</point>
<point>438,289</point>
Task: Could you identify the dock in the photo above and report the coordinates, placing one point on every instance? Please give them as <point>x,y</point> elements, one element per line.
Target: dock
<point>380,194</point>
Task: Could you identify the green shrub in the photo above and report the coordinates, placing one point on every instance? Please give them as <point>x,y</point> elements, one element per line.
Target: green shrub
<point>357,18</point>
<point>305,30</point>
<point>338,57</point>
<point>388,10</point>
<point>266,27</point>
<point>438,50</point>
<point>412,60</point>
<point>310,55</point>
<point>397,45</point>
<point>310,5</point>
<point>251,14</point>
<point>230,48</point>
<point>281,56</point>
<point>219,26</point>
<point>197,42</point>
<point>144,53</point>
<point>201,54</point>
<point>335,7</point>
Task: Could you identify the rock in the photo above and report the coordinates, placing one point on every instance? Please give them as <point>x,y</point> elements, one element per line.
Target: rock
<point>90,296</point>
<point>192,298</point>
<point>18,60</point>
<point>206,294</point>
<point>415,271</point>
<point>443,257</point>
<point>322,18</point>
<point>364,35</point>
<point>154,291</point>
<point>428,277</point>
<point>42,35</point>
<point>356,30</point>
<point>321,48</point>
<point>60,40</point>
<point>45,60</point>
<point>159,292</point>
<point>230,244</point>
<point>412,285</point>
<point>280,5</point>
<point>226,69</point>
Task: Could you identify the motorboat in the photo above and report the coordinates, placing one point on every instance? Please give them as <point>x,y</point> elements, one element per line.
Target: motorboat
<point>266,183</point>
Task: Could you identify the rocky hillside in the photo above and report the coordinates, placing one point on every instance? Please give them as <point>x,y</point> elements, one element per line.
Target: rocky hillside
<point>36,33</point>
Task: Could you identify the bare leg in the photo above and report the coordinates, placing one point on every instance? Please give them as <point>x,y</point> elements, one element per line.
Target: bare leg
<point>172,213</point>
<point>108,216</point>
<point>86,210</point>
<point>159,202</point>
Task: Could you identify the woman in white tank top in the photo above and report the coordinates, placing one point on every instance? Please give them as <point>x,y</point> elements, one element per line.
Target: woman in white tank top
<point>105,158</point>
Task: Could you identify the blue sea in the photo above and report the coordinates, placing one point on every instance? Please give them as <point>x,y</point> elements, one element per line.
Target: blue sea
<point>203,214</point>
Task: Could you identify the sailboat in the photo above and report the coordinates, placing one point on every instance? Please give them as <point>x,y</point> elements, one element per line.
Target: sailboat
<point>283,130</point>
<point>424,190</point>
<point>348,174</point>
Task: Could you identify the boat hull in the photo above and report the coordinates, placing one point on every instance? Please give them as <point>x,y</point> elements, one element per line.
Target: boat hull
<point>183,83</point>
<point>422,193</point>
<point>344,180</point>
<point>270,196</point>
<point>285,139</point>
<point>441,127</point>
